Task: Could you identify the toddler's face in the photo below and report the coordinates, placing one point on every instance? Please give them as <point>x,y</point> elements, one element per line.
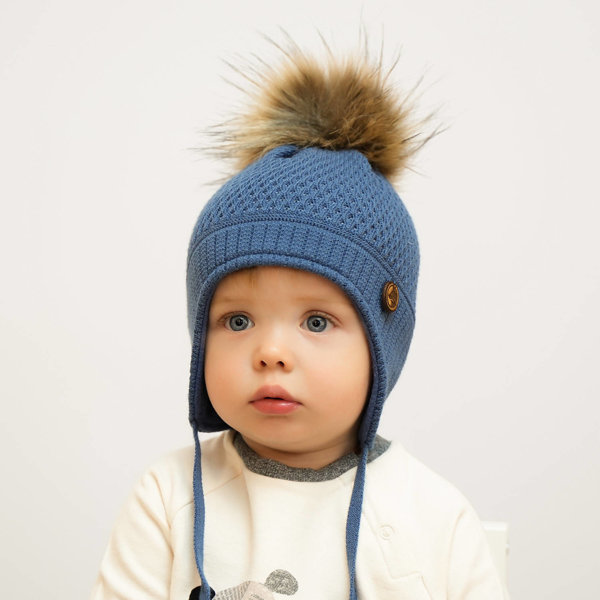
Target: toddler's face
<point>287,364</point>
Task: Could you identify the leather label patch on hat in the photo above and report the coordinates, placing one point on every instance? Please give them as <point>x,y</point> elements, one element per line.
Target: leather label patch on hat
<point>391,296</point>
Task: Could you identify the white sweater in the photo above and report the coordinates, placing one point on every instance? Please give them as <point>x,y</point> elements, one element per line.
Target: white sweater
<point>419,538</point>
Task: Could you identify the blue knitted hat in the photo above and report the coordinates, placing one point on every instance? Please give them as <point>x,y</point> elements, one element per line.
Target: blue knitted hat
<point>313,194</point>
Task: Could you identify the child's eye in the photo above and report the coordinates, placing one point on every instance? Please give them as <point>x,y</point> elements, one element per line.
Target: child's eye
<point>238,322</point>
<point>317,323</point>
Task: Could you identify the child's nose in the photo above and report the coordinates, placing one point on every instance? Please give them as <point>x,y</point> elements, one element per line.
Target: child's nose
<point>273,353</point>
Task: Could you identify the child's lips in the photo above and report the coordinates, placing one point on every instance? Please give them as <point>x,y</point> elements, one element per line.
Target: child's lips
<point>274,400</point>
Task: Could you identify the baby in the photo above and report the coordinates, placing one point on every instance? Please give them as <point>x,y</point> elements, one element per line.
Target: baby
<point>302,273</point>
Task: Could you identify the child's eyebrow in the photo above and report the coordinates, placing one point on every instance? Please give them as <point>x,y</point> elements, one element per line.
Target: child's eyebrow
<point>308,299</point>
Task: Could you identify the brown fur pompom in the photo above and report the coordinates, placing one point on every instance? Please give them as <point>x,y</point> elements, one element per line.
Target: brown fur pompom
<point>333,104</point>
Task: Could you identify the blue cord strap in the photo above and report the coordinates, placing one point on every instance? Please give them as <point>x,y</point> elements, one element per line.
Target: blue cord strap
<point>353,521</point>
<point>205,592</point>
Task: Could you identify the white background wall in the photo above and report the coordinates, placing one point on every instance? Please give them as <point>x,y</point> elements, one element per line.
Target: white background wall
<point>99,105</point>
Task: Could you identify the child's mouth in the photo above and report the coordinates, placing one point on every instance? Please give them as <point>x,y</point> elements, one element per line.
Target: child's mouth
<point>273,400</point>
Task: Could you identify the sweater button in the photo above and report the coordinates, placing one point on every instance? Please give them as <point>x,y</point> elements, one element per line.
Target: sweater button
<point>386,532</point>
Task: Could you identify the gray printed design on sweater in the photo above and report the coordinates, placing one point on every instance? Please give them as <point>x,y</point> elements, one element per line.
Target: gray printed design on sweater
<point>278,582</point>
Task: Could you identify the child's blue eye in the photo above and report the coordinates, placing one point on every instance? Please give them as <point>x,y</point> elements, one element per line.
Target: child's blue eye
<point>317,323</point>
<point>239,322</point>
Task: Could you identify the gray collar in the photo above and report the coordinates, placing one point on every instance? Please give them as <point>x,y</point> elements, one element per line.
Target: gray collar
<point>277,470</point>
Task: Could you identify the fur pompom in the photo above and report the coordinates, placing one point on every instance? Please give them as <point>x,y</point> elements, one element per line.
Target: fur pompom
<point>333,104</point>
